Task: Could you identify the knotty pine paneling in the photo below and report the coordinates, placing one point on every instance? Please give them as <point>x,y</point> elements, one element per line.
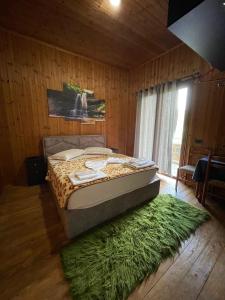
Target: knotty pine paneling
<point>27,70</point>
<point>208,100</point>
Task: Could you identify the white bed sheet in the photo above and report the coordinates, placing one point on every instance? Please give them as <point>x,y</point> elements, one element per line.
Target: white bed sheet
<point>98,193</point>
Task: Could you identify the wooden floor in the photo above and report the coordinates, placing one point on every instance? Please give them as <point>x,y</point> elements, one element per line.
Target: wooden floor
<point>31,236</point>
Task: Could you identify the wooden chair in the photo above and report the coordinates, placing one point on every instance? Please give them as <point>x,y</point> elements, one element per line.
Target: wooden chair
<point>194,154</point>
<point>187,169</point>
<point>212,186</point>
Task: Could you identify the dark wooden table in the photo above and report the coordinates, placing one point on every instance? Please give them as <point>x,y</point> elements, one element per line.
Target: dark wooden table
<point>200,173</point>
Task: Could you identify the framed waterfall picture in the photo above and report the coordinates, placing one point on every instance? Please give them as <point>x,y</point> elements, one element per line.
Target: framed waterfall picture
<point>74,103</point>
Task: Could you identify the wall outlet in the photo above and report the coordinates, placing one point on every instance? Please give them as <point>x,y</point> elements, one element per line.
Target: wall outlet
<point>198,141</point>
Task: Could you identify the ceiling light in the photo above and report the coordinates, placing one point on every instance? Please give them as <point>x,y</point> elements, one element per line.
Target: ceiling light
<point>115,2</point>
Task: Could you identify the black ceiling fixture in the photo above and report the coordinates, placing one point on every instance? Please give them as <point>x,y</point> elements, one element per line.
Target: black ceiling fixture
<point>201,25</point>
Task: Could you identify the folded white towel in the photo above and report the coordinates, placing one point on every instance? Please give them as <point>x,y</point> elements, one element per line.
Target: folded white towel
<point>116,160</point>
<point>135,165</point>
<point>75,181</point>
<point>140,161</point>
<point>87,174</point>
<point>96,164</point>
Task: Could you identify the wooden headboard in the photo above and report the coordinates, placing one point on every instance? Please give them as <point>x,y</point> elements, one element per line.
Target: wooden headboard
<point>55,144</point>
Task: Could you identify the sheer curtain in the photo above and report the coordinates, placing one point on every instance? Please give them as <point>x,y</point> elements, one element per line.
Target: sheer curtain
<point>156,121</point>
<point>145,123</point>
<point>166,121</point>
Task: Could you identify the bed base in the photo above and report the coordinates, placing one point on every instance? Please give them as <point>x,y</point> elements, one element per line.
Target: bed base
<point>78,221</point>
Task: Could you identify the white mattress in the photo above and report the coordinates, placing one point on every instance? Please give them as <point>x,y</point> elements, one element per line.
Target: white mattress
<point>95,194</point>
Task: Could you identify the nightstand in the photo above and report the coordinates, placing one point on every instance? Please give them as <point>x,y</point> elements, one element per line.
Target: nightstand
<point>114,150</point>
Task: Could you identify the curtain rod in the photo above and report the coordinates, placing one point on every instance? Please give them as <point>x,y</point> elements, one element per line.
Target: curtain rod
<point>193,76</point>
<point>221,81</point>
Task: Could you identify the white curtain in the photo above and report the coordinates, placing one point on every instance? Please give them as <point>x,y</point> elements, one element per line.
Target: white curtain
<point>166,121</point>
<point>156,121</point>
<point>145,124</point>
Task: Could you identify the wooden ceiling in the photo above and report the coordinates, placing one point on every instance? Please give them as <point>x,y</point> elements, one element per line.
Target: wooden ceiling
<point>127,36</point>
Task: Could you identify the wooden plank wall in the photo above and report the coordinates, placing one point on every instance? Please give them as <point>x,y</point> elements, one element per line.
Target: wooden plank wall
<point>208,100</point>
<point>27,69</point>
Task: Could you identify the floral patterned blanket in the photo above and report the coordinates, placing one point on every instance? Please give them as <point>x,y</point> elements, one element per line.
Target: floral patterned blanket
<point>58,172</point>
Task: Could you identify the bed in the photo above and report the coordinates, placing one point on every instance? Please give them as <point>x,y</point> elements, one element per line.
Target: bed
<point>91,205</point>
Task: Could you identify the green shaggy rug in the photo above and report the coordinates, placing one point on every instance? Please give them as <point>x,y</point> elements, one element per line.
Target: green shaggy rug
<point>109,262</point>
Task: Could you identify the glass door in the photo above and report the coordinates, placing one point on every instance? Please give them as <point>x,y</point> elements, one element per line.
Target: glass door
<point>177,138</point>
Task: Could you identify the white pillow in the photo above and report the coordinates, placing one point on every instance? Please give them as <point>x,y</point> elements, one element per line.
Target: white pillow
<point>98,150</point>
<point>67,154</point>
